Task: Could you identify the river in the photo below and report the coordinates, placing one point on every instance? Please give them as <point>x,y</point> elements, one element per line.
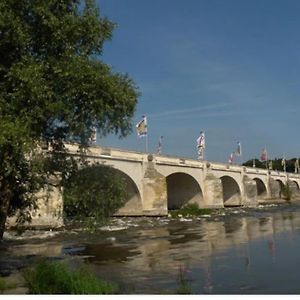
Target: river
<point>233,251</point>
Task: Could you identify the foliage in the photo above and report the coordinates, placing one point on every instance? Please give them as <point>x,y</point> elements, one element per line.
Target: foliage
<point>276,164</point>
<point>56,278</point>
<point>53,88</point>
<point>94,193</point>
<point>190,210</point>
<point>287,192</point>
<point>20,177</point>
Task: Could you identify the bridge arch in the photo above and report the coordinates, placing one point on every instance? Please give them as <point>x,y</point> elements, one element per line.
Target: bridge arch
<point>133,202</point>
<point>182,189</point>
<point>231,191</point>
<point>261,188</point>
<point>295,188</point>
<point>295,184</point>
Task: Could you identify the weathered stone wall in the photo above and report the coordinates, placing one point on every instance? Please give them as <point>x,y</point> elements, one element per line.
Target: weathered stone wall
<point>213,192</point>
<point>250,192</point>
<point>154,191</point>
<point>50,209</point>
<point>275,189</point>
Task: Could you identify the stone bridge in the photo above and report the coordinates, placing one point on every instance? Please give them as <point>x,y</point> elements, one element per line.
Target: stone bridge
<point>157,184</point>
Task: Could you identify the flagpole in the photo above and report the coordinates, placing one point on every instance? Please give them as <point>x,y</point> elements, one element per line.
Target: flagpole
<point>147,142</point>
<point>267,156</point>
<point>241,155</point>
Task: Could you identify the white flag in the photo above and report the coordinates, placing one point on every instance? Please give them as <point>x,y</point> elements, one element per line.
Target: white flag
<point>141,127</point>
<point>238,151</point>
<point>230,159</point>
<point>201,140</point>
<point>159,146</point>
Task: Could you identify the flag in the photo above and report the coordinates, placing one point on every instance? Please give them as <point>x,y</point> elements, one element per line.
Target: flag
<point>230,159</point>
<point>264,155</point>
<point>238,151</point>
<point>296,165</point>
<point>283,163</point>
<point>141,127</point>
<point>201,140</point>
<point>159,146</point>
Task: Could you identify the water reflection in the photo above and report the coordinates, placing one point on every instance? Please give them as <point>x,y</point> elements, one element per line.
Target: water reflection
<point>248,254</point>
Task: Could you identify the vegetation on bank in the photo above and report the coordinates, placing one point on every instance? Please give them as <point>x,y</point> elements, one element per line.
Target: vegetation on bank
<point>190,210</point>
<point>56,277</point>
<point>52,277</point>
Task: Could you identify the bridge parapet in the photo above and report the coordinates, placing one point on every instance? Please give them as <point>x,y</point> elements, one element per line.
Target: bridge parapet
<point>225,167</point>
<point>105,152</point>
<point>177,161</point>
<point>250,170</point>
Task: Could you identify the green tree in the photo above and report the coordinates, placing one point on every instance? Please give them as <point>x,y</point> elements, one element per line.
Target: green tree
<point>94,193</point>
<point>53,87</point>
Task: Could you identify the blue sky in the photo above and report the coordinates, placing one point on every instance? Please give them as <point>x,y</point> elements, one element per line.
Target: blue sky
<point>230,68</point>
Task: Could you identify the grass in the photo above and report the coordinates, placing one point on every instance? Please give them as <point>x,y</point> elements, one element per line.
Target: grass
<point>5,286</point>
<point>184,285</point>
<point>50,277</point>
<point>190,210</point>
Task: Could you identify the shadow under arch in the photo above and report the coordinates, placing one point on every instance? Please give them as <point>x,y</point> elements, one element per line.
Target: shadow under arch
<point>231,191</point>
<point>182,189</point>
<point>261,188</point>
<point>133,202</point>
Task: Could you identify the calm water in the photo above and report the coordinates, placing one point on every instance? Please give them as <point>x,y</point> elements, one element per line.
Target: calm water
<point>235,251</point>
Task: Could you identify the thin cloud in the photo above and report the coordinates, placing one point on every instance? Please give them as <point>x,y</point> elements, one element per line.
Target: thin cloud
<point>188,111</point>
<point>205,115</point>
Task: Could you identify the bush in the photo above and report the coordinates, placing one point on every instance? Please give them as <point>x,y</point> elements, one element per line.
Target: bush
<point>190,210</point>
<point>94,193</point>
<point>56,278</point>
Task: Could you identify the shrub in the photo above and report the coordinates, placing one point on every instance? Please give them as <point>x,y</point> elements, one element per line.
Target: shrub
<point>94,193</point>
<point>56,278</point>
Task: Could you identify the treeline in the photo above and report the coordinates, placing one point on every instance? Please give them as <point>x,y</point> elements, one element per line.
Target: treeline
<point>274,164</point>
